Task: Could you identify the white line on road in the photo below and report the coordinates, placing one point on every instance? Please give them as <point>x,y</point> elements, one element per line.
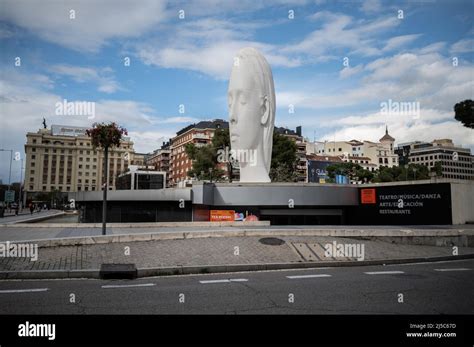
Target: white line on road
<point>384,272</point>
<point>128,285</point>
<point>452,269</point>
<point>7,291</point>
<point>307,276</point>
<point>224,281</point>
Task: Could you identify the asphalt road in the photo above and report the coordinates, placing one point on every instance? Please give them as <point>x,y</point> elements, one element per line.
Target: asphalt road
<point>427,288</point>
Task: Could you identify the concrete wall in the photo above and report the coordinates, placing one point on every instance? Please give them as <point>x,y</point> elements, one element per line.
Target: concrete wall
<point>279,194</point>
<point>462,202</point>
<point>170,194</point>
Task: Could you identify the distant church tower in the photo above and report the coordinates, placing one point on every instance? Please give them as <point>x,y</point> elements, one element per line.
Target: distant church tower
<point>387,141</point>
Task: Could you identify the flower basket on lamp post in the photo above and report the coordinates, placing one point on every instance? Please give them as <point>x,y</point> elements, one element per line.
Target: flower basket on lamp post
<point>105,136</point>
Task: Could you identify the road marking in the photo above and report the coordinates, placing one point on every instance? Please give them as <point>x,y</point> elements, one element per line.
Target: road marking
<point>452,269</point>
<point>384,272</point>
<point>224,281</point>
<point>127,285</point>
<point>307,276</point>
<point>23,290</point>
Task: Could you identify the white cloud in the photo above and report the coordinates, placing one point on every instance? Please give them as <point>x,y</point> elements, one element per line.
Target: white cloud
<point>463,46</point>
<point>350,71</point>
<point>371,6</point>
<point>26,98</point>
<point>430,79</point>
<point>180,120</point>
<point>207,46</point>
<point>399,41</point>
<point>405,132</point>
<point>102,77</point>
<point>94,24</point>
<point>340,33</point>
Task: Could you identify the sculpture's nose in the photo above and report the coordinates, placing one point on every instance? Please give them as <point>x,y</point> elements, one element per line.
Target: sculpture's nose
<point>232,114</point>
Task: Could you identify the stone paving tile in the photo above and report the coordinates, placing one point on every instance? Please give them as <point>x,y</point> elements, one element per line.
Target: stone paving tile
<point>206,251</point>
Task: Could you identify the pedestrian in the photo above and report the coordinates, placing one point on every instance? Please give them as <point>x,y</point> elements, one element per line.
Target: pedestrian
<point>16,209</point>
<point>32,208</point>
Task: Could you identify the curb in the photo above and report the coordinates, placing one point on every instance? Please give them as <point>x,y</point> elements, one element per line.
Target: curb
<point>22,224</point>
<point>207,269</point>
<point>464,237</point>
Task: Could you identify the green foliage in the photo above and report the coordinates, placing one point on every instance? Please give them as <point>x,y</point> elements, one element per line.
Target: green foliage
<point>438,169</point>
<point>353,171</point>
<point>464,113</point>
<point>400,173</point>
<point>204,162</point>
<point>384,174</point>
<point>284,159</point>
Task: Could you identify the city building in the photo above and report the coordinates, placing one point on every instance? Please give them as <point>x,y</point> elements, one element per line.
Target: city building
<point>368,154</point>
<point>200,134</point>
<point>455,161</point>
<point>141,177</point>
<point>62,159</point>
<point>160,160</point>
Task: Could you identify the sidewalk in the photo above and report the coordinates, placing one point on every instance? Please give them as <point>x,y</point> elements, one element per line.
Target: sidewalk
<point>200,255</point>
<point>27,216</point>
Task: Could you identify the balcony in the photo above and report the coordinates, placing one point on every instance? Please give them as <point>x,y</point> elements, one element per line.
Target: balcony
<point>201,136</point>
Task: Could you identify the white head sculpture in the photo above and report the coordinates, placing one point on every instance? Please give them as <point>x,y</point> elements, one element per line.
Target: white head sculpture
<point>251,98</point>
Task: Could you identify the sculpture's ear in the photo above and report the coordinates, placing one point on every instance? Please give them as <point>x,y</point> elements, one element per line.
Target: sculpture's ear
<point>265,110</point>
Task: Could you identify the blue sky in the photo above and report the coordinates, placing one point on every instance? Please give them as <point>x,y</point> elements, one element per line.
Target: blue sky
<point>187,62</point>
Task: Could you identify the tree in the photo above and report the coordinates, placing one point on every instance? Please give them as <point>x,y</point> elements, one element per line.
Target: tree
<point>204,162</point>
<point>438,168</point>
<point>206,158</point>
<point>221,141</point>
<point>400,173</point>
<point>105,136</point>
<point>284,159</point>
<point>464,113</point>
<point>354,171</point>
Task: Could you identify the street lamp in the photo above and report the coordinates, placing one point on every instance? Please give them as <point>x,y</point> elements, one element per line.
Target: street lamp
<point>20,199</point>
<point>11,158</point>
<point>406,172</point>
<point>414,173</point>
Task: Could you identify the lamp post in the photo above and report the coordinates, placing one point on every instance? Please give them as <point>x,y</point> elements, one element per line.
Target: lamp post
<point>20,198</point>
<point>414,173</point>
<point>11,158</point>
<point>406,172</point>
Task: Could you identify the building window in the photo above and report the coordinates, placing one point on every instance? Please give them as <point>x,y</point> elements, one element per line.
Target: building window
<point>34,140</point>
